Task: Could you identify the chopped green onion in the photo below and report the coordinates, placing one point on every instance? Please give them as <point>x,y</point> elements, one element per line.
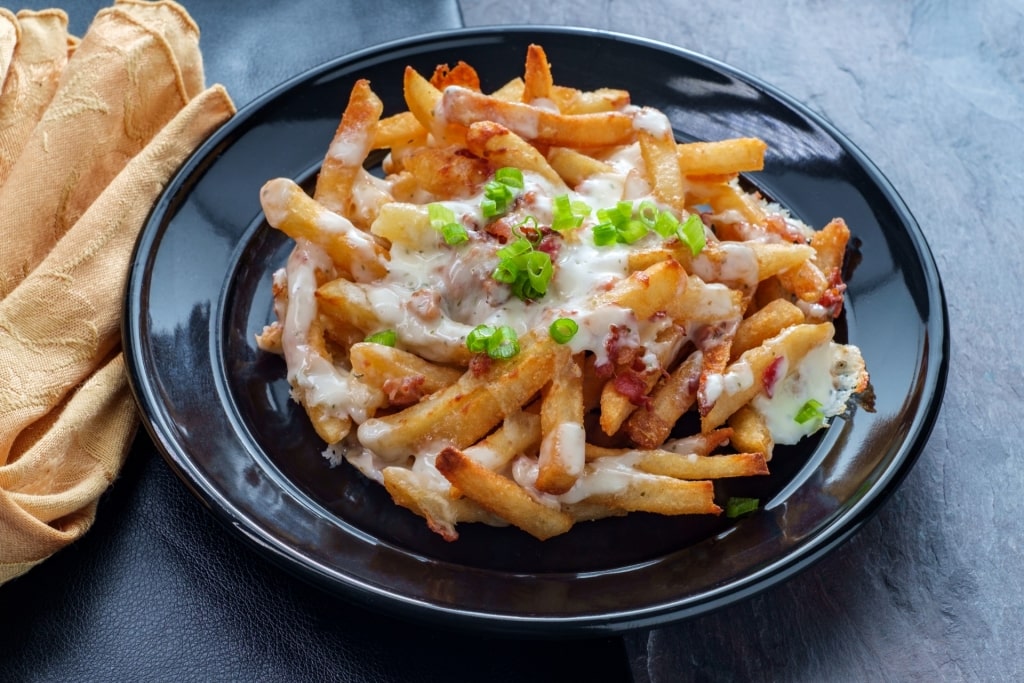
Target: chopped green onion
<point>736,507</point>
<point>566,214</point>
<point>812,410</point>
<point>539,271</point>
<point>511,176</point>
<point>443,220</point>
<point>691,232</point>
<point>454,233</point>
<point>504,343</point>
<point>526,270</point>
<point>632,231</point>
<point>440,215</point>
<point>604,234</point>
<point>647,213</point>
<point>497,342</point>
<point>666,224</point>
<point>476,340</point>
<point>384,337</point>
<point>489,208</point>
<point>563,330</point>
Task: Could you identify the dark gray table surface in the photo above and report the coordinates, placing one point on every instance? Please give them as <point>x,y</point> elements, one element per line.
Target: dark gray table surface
<point>930,589</point>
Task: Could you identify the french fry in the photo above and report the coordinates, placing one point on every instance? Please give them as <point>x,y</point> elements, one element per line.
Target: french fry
<point>574,167</point>
<point>750,432</point>
<point>690,466</point>
<point>352,141</point>
<point>561,415</point>
<point>441,510</point>
<point>289,209</point>
<point>792,344</point>
<point>767,322</point>
<point>649,291</point>
<point>501,496</point>
<point>461,74</point>
<point>658,152</point>
<point>617,405</point>
<point>447,172</point>
<point>422,98</point>
<point>519,434</point>
<point>829,245</point>
<point>378,366</point>
<point>463,106</point>
<point>643,492</point>
<point>573,101</point>
<point>650,427</point>
<point>399,130</point>
<point>724,157</point>
<point>537,80</point>
<point>501,147</point>
<point>406,224</point>
<point>512,91</point>
<point>466,411</point>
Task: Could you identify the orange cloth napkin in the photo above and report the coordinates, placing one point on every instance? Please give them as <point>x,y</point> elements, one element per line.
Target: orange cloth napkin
<point>90,132</point>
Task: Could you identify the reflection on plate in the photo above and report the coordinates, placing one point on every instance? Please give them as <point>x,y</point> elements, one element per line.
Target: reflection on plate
<point>218,408</point>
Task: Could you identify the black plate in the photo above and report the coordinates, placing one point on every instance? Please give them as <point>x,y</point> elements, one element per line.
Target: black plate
<point>218,408</point>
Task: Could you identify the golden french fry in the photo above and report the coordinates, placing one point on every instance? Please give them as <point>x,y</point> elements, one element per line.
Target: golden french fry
<point>501,147</point>
<point>806,281</point>
<point>393,370</point>
<point>501,496</point>
<point>688,466</point>
<point>575,167</point>
<point>829,245</point>
<point>701,302</point>
<point>447,172</point>
<point>348,301</point>
<point>464,106</point>
<point>725,197</point>
<point>406,224</point>
<point>643,492</point>
<point>537,80</point>
<point>750,432</point>
<point>422,98</point>
<point>767,322</point>
<point>622,394</point>
<point>299,216</point>
<point>519,434</point>
<point>659,155</point>
<point>511,91</point>
<point>723,157</point>
<point>461,74</point>
<point>466,411</point>
<point>398,131</point>
<point>561,416</point>
<point>441,510</point>
<point>700,443</point>
<point>650,427</point>
<point>352,141</point>
<point>742,380</point>
<point>573,101</point>
<point>649,291</point>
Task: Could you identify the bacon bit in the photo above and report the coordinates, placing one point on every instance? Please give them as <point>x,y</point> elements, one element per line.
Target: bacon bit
<point>550,245</point>
<point>425,304</point>
<point>500,229</point>
<point>480,364</point>
<point>404,391</point>
<point>633,387</point>
<point>604,370</point>
<point>777,225</point>
<point>832,299</point>
<point>771,376</point>
<point>619,352</point>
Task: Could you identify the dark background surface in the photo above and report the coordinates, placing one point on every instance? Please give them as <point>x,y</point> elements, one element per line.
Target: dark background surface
<point>930,589</point>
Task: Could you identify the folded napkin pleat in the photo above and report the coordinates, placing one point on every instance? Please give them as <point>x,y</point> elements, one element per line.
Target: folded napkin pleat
<point>129,108</point>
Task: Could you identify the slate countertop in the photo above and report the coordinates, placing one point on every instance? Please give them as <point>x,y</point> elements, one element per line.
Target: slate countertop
<point>930,589</point>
